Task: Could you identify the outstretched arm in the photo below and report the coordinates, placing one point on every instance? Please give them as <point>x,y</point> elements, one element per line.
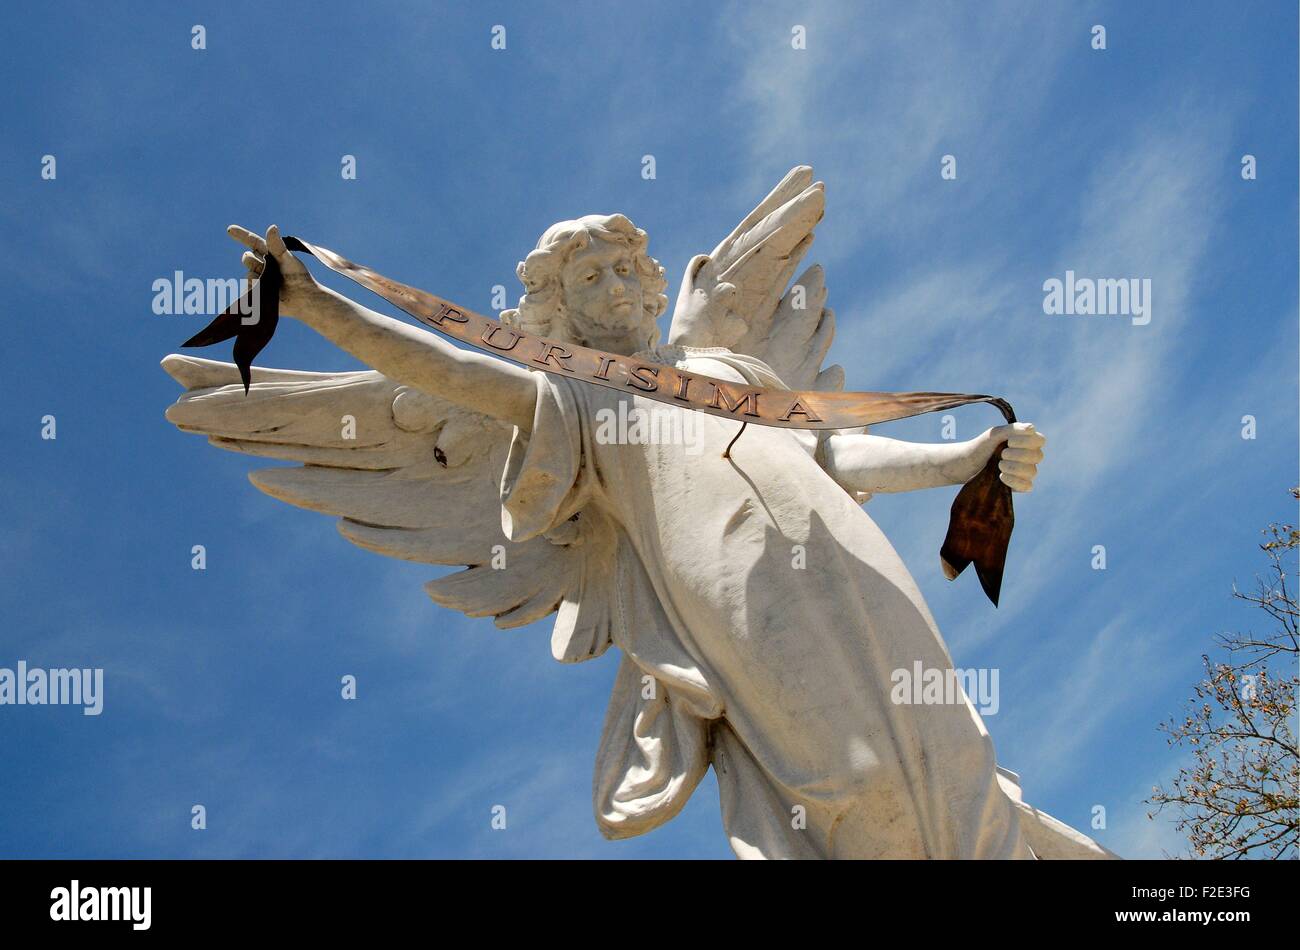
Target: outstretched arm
<point>869,463</point>
<point>398,350</point>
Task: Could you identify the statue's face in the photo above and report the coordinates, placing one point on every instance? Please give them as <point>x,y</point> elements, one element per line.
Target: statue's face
<point>602,295</point>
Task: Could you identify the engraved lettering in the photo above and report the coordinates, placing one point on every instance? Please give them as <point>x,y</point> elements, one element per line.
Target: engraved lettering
<point>605,363</point>
<point>749,404</point>
<point>449,313</point>
<point>798,407</point>
<point>637,381</point>
<point>491,330</point>
<point>554,353</point>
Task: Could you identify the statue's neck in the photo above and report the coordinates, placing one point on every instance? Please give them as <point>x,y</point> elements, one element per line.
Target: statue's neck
<point>671,354</point>
<point>620,344</point>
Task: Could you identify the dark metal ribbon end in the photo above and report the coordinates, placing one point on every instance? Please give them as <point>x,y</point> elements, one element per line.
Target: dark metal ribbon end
<point>979,528</point>
<point>262,302</point>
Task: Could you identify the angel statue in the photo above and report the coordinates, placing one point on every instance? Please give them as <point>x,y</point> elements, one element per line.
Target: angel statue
<point>760,611</point>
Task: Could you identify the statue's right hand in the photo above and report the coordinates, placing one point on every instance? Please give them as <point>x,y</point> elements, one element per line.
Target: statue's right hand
<point>297,285</point>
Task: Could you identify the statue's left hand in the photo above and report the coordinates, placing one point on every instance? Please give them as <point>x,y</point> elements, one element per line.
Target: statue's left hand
<point>297,283</point>
<point>1019,465</point>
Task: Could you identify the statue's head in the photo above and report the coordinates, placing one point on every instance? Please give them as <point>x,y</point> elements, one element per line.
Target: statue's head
<point>591,282</point>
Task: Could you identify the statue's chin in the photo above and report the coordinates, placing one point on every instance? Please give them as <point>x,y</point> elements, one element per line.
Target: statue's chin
<point>621,325</point>
<point>622,320</point>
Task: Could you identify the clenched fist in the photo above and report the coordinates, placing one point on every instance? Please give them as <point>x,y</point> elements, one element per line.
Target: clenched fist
<point>1019,465</point>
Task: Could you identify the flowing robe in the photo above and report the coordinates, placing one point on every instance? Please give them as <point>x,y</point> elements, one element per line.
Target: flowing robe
<point>760,612</point>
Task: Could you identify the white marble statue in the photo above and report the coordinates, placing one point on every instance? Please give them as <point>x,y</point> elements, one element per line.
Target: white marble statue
<point>735,654</point>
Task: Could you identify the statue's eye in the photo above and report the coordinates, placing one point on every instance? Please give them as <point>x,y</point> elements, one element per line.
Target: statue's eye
<point>591,277</point>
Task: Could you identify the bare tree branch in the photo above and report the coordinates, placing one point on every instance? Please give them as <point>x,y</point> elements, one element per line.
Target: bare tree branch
<point>1241,796</point>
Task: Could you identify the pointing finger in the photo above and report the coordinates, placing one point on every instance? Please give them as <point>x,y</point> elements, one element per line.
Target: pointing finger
<point>247,238</point>
<point>275,243</point>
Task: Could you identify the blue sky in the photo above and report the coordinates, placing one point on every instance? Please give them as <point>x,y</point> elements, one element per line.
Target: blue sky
<point>222,686</point>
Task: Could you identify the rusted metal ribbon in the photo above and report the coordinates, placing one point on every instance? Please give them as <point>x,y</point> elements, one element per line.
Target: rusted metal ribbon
<point>982,516</point>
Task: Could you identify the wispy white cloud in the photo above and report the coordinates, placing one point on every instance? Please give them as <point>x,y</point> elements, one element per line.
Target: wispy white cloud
<point>1145,204</point>
<point>880,93</point>
<point>935,287</point>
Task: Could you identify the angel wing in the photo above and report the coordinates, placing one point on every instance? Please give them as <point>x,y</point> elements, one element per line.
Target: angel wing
<point>790,330</point>
<point>413,477</point>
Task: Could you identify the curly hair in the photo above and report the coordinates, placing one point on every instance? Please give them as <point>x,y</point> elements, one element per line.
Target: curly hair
<point>541,309</point>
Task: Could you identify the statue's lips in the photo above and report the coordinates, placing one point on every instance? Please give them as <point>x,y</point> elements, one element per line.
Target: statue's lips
<point>624,315</point>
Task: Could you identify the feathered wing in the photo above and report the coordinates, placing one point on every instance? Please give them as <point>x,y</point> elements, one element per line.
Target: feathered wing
<point>413,477</point>
<point>789,329</point>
